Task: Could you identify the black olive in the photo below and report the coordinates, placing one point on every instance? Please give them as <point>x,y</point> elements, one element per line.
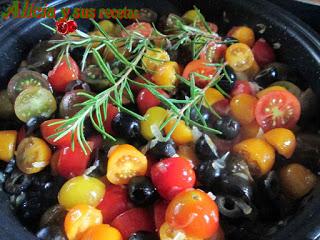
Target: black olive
<point>40,59</point>
<point>236,164</point>
<point>271,185</point>
<point>17,182</point>
<point>230,40</point>
<point>52,232</point>
<point>184,55</point>
<point>77,54</point>
<point>182,91</point>
<point>227,82</point>
<point>271,73</point>
<point>228,127</point>
<point>126,126</point>
<point>207,175</point>
<point>33,124</point>
<point>141,191</point>
<point>143,235</point>
<point>163,149</point>
<point>99,161</point>
<point>205,148</point>
<point>53,216</point>
<point>147,15</point>
<point>237,185</point>
<point>76,85</point>
<point>68,106</point>
<point>168,23</point>
<point>200,115</point>
<point>232,207</point>
<point>30,210</point>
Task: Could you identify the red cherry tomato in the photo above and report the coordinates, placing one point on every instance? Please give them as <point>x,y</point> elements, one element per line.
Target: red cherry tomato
<point>214,52</point>
<point>111,113</point>
<point>139,79</point>
<point>241,86</point>
<point>263,52</point>
<point>172,175</point>
<point>194,212</point>
<point>146,100</point>
<point>222,107</point>
<point>114,202</point>
<point>48,130</point>
<point>72,163</point>
<point>277,109</point>
<point>201,67</point>
<point>142,28</point>
<point>62,74</point>
<point>133,220</point>
<point>159,213</point>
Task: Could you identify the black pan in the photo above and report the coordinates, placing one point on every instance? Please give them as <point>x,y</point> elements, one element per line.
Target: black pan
<point>300,48</point>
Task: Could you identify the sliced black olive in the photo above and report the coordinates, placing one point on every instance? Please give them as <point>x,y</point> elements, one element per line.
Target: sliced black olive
<point>200,115</point>
<point>6,107</point>
<point>147,15</point>
<point>126,126</point>
<point>228,127</point>
<point>143,235</point>
<point>141,191</point>
<point>17,182</point>
<point>68,105</point>
<point>53,216</point>
<point>230,40</point>
<point>205,148</point>
<point>25,79</point>
<point>237,185</point>
<point>228,80</point>
<point>236,164</point>
<point>163,149</point>
<point>232,207</point>
<point>77,85</point>
<point>40,59</point>
<point>33,124</point>
<point>52,232</point>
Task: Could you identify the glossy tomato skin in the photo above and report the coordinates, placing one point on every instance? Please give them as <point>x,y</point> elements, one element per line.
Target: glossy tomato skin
<point>114,203</point>
<point>201,67</point>
<point>62,74</point>
<point>48,130</point>
<point>172,175</point>
<point>72,163</point>
<point>263,52</point>
<point>133,220</point>
<point>146,100</point>
<point>277,109</point>
<point>214,52</point>
<point>193,212</point>
<point>159,213</point>
<point>241,86</point>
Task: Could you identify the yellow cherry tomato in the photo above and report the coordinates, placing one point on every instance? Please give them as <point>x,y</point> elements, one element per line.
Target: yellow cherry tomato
<point>242,108</point>
<point>283,140</point>
<point>212,96</point>
<point>182,134</point>
<point>268,90</point>
<point>8,140</point>
<point>154,58</point>
<point>154,117</point>
<point>296,180</point>
<point>81,190</point>
<point>33,155</point>
<point>101,232</point>
<point>191,16</point>
<point>240,57</point>
<point>165,74</point>
<point>259,155</point>
<point>79,219</point>
<point>244,35</point>
<point>125,162</point>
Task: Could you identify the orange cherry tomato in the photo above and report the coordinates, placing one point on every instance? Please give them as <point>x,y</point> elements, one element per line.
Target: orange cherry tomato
<point>239,56</point>
<point>212,96</point>
<point>244,35</point>
<point>242,108</point>
<point>259,155</point>
<point>125,162</point>
<point>283,140</point>
<point>278,109</point>
<point>250,130</point>
<point>165,74</point>
<point>8,140</point>
<point>200,67</point>
<point>167,232</point>
<point>79,219</point>
<point>101,232</point>
<point>182,134</point>
<point>193,212</point>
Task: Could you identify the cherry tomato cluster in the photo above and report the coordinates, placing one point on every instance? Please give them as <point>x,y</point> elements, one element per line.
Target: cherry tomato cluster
<point>163,189</point>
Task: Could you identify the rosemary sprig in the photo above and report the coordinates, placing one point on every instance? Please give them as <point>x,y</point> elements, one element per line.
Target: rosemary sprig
<point>95,107</point>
